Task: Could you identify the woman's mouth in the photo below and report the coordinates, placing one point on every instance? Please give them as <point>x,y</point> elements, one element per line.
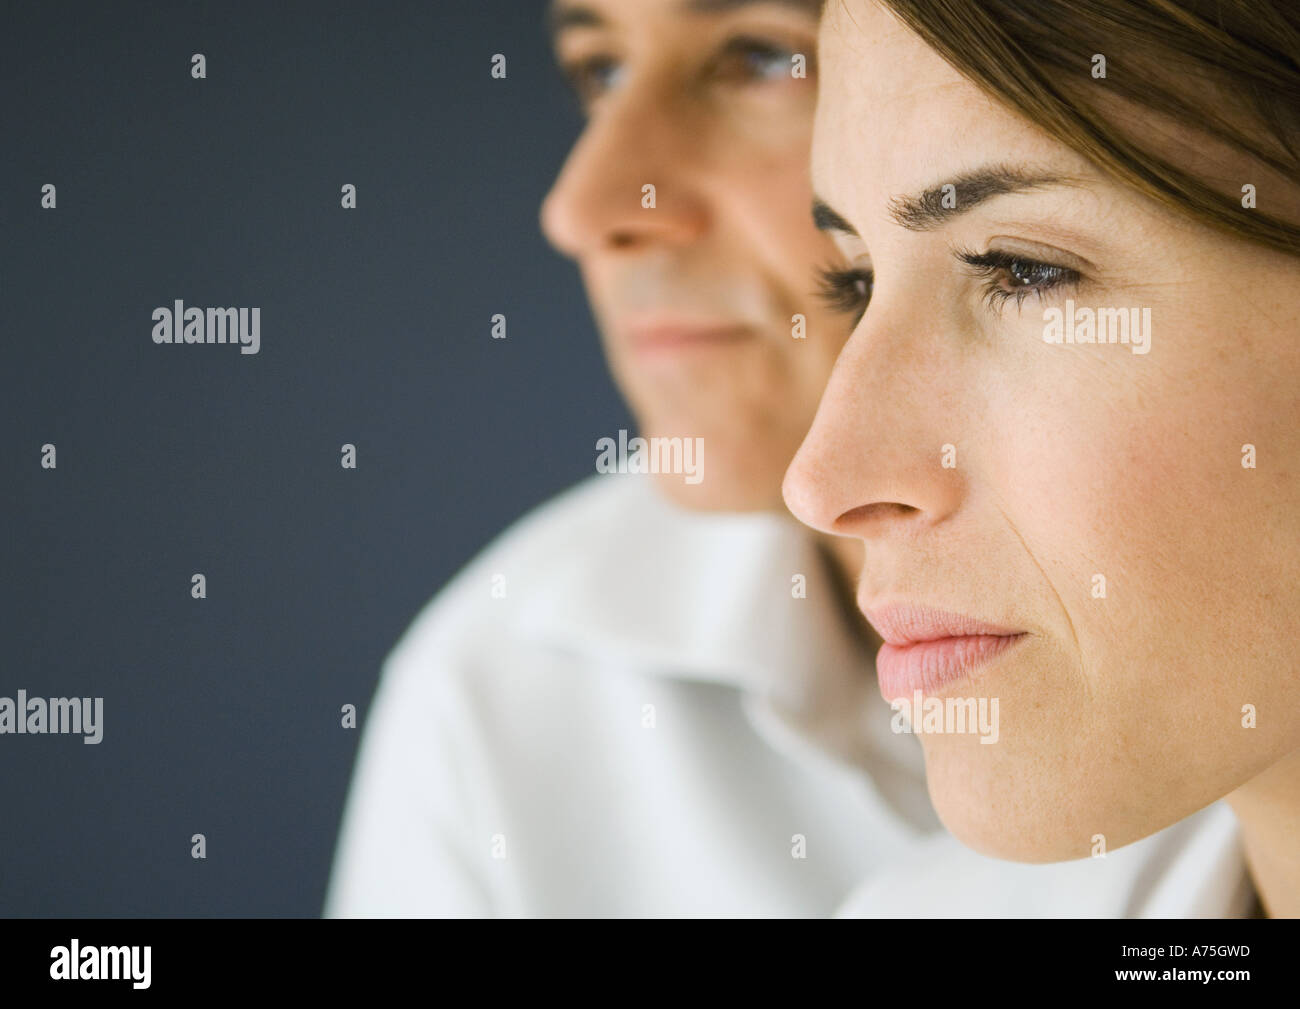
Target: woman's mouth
<point>927,649</point>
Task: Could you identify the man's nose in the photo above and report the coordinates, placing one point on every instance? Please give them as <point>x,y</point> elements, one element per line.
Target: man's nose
<point>633,177</point>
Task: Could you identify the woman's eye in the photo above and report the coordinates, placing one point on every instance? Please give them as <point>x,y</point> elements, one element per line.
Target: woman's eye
<point>748,59</point>
<point>847,291</point>
<point>1009,276</point>
<point>592,77</point>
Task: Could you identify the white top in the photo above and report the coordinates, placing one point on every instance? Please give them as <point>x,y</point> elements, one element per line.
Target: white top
<point>623,709</point>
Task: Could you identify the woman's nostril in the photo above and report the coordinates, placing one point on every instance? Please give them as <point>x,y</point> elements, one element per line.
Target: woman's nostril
<point>876,513</point>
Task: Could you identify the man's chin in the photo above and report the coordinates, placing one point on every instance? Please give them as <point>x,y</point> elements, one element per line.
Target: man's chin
<point>701,463</point>
<point>716,494</point>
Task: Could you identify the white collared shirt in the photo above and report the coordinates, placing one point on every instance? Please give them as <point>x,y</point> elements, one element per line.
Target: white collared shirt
<point>623,709</point>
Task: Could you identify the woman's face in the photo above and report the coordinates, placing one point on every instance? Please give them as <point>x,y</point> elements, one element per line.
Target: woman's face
<point>1127,566</point>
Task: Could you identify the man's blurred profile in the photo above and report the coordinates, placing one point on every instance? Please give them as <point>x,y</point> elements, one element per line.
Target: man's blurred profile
<point>649,696</point>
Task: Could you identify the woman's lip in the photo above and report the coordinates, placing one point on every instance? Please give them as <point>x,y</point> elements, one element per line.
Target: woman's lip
<point>905,624</point>
<point>927,649</point>
<point>929,666</point>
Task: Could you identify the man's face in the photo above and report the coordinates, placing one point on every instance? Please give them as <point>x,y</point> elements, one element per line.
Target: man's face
<point>696,296</point>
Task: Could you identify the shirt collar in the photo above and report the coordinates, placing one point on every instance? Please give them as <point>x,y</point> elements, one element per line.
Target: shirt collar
<point>744,599</point>
<point>716,597</point>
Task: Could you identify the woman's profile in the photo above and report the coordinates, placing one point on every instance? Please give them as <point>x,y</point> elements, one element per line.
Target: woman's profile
<point>1066,424</point>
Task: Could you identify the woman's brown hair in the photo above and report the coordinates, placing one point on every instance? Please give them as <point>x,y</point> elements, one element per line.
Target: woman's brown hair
<point>1228,69</point>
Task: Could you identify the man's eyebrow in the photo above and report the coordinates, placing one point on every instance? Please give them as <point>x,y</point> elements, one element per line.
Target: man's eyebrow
<point>560,16</point>
<point>812,7</point>
<point>936,206</point>
<point>570,15</point>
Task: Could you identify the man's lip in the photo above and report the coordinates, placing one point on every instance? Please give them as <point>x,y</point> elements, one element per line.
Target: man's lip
<point>902,624</point>
<point>670,334</point>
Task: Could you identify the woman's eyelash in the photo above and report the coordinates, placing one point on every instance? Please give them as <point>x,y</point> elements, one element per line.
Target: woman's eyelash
<point>1010,276</point>
<point>1007,276</point>
<point>844,290</point>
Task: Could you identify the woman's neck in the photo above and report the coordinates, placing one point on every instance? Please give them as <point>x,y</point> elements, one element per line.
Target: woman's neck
<point>1268,808</point>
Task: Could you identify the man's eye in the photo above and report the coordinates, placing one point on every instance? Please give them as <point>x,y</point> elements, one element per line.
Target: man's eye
<point>746,59</point>
<point>592,77</point>
<point>847,291</point>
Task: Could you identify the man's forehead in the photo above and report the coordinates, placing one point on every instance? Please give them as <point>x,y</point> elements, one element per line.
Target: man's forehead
<point>593,13</point>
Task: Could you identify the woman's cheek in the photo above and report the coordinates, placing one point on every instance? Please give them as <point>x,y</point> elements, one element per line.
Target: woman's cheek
<point>1097,486</point>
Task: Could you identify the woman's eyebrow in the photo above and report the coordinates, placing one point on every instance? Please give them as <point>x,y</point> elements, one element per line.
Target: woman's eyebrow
<point>938,204</point>
<point>826,219</point>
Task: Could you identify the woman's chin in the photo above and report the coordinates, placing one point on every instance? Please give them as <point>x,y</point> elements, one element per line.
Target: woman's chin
<point>997,808</point>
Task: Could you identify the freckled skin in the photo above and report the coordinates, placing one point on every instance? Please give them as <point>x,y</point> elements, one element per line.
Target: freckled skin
<point>1119,716</point>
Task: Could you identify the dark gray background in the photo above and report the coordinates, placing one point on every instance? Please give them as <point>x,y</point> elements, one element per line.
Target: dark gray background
<point>221,716</point>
